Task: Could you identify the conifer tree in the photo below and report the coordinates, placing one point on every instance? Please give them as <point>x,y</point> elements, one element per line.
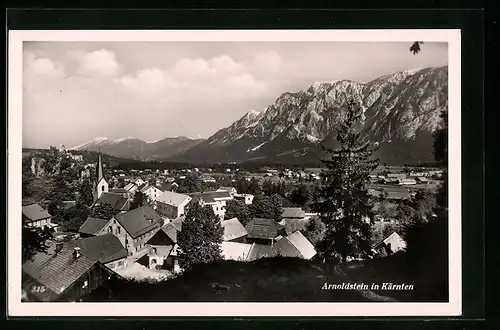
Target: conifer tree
<point>342,198</point>
<point>200,237</point>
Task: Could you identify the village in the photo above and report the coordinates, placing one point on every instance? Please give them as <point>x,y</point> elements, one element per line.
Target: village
<point>139,240</point>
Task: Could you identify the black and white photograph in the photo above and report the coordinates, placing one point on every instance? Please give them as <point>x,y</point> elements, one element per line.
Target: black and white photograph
<point>243,172</point>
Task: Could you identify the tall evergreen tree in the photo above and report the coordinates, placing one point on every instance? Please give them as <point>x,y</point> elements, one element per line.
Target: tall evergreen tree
<point>343,201</point>
<point>138,201</point>
<point>200,237</point>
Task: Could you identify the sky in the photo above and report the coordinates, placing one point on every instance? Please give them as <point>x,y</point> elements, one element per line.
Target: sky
<point>74,92</point>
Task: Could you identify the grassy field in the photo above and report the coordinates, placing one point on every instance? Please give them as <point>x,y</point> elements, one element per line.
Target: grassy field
<point>274,280</point>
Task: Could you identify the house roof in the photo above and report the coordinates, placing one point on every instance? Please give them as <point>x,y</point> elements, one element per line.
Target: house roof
<point>172,198</point>
<point>161,251</point>
<point>233,229</point>
<point>118,191</point>
<point>392,237</point>
<point>302,244</point>
<point>129,186</point>
<point>54,271</point>
<point>235,251</point>
<point>262,228</point>
<point>203,197</point>
<point>226,189</point>
<point>397,195</point>
<point>292,225</point>
<point>171,231</point>
<point>396,175</point>
<point>177,223</point>
<point>103,248</point>
<point>220,194</point>
<point>285,248</point>
<point>139,221</point>
<point>293,212</point>
<point>117,201</point>
<point>35,212</point>
<point>92,226</point>
<point>422,178</point>
<point>258,251</point>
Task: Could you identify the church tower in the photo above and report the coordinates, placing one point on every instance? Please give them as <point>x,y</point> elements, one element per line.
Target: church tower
<point>101,183</point>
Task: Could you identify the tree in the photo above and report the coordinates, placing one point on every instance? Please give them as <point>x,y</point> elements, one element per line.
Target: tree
<point>201,236</point>
<point>138,201</point>
<point>35,240</point>
<point>102,211</point>
<point>344,203</point>
<point>72,218</point>
<point>190,184</point>
<point>86,195</point>
<point>269,207</point>
<point>300,195</point>
<point>238,209</point>
<point>315,230</point>
<point>415,47</point>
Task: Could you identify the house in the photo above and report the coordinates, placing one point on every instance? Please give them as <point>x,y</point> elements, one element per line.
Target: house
<point>295,245</point>
<point>398,195</point>
<point>92,227</point>
<point>120,191</point>
<point>160,247</point>
<point>391,244</point>
<point>207,178</point>
<point>407,182</point>
<point>231,190</point>
<point>151,192</point>
<point>107,249</point>
<point>245,198</point>
<point>233,230</point>
<point>396,176</point>
<point>117,201</point>
<point>131,187</point>
<point>172,205</point>
<point>422,179</point>
<point>235,251</point>
<point>292,225</point>
<point>295,213</point>
<point>62,274</point>
<point>134,227</point>
<point>217,199</point>
<point>35,216</point>
<point>263,231</point>
<point>139,182</point>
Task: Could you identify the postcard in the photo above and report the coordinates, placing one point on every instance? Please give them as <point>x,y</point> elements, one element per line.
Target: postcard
<point>234,173</point>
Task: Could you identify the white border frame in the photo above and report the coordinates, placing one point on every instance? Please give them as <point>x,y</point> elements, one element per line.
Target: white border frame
<point>18,308</point>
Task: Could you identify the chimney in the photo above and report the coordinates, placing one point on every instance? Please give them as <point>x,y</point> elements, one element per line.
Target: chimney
<point>76,252</point>
<point>59,246</point>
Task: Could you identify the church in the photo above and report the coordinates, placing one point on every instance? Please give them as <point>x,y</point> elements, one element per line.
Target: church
<point>100,184</point>
<point>101,192</point>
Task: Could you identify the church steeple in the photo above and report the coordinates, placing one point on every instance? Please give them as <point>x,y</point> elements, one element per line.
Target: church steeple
<point>101,185</point>
<point>100,170</point>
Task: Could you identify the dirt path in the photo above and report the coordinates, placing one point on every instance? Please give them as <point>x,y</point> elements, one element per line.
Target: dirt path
<point>368,294</point>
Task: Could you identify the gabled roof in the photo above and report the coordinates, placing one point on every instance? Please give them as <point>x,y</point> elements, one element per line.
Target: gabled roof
<point>139,221</point>
<point>118,191</point>
<point>233,229</point>
<point>92,226</point>
<point>391,238</point>
<point>292,225</point>
<point>226,189</point>
<point>258,251</point>
<point>177,223</point>
<point>235,251</point>
<point>302,244</point>
<point>129,186</point>
<point>103,248</point>
<point>261,228</point>
<point>35,212</point>
<point>293,212</point>
<point>205,198</point>
<point>56,272</point>
<point>171,231</point>
<point>172,198</point>
<point>118,202</point>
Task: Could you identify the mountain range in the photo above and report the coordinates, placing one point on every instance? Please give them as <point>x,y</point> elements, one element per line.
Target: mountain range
<point>400,113</point>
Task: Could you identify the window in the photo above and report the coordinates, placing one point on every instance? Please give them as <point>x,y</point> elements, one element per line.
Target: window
<point>102,188</point>
<point>110,229</point>
<point>118,230</point>
<point>120,263</point>
<point>85,284</point>
<point>112,266</point>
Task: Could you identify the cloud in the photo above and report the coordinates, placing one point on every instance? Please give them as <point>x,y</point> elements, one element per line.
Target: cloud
<point>102,62</point>
<point>267,61</point>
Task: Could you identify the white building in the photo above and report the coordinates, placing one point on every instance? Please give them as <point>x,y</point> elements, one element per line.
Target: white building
<point>172,205</point>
